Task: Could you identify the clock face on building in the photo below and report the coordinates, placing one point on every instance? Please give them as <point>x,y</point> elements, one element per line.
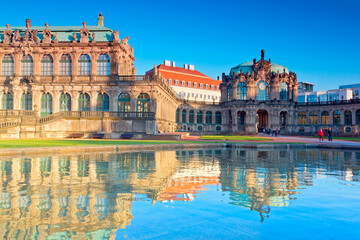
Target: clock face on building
<point>262,86</point>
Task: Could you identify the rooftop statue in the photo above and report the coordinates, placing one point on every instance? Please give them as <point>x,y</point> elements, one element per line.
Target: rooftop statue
<point>46,34</point>
<point>100,19</point>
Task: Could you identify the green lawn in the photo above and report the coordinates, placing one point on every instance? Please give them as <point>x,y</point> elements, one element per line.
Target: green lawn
<point>242,138</point>
<point>64,143</point>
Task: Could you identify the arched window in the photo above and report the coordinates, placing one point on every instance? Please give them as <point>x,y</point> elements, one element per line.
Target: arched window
<point>348,117</point>
<point>301,118</point>
<point>7,101</point>
<point>84,68</point>
<point>262,91</point>
<point>65,65</point>
<point>26,101</point>
<point>283,118</point>
<point>191,116</point>
<point>218,118</point>
<point>208,117</point>
<point>124,102</point>
<point>143,102</point>
<point>241,91</point>
<point>102,103</point>
<point>7,65</point>
<point>46,65</point>
<point>199,117</point>
<point>177,115</point>
<point>325,118</point>
<point>283,91</point>
<point>336,117</point>
<point>46,104</point>
<point>103,65</point>
<point>26,65</point>
<point>84,102</point>
<point>241,118</point>
<point>229,93</point>
<point>357,116</point>
<point>65,102</point>
<point>313,118</point>
<point>183,116</point>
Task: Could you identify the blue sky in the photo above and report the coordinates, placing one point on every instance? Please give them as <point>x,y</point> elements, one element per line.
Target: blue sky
<point>318,40</point>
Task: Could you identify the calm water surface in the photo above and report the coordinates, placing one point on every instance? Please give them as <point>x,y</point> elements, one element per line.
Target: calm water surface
<point>200,194</point>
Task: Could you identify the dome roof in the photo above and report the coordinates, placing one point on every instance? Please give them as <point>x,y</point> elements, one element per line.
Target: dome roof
<point>247,67</point>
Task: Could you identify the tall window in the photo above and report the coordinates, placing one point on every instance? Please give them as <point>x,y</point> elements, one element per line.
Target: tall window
<point>208,117</point>
<point>229,93</point>
<point>218,118</point>
<point>313,118</point>
<point>7,65</point>
<point>84,68</point>
<point>46,65</point>
<point>84,102</point>
<point>325,118</point>
<point>143,103</point>
<point>336,117</point>
<point>46,104</point>
<point>301,118</point>
<point>124,102</point>
<point>241,91</point>
<point>7,101</point>
<point>199,117</point>
<point>26,65</point>
<point>177,115</point>
<point>283,118</point>
<point>241,118</point>
<point>348,117</point>
<point>183,116</point>
<point>26,101</point>
<point>103,65</point>
<point>191,116</point>
<point>262,91</point>
<point>102,103</point>
<point>357,116</point>
<point>283,91</point>
<point>65,65</point>
<point>65,102</point>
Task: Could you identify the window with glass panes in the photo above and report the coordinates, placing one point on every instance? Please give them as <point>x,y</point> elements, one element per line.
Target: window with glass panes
<point>143,103</point>
<point>7,65</point>
<point>241,118</point>
<point>26,101</point>
<point>208,117</point>
<point>84,102</point>
<point>177,115</point>
<point>84,65</point>
<point>65,102</point>
<point>124,102</point>
<point>301,118</point>
<point>26,65</point>
<point>65,65</point>
<point>262,91</point>
<point>199,117</point>
<point>241,91</point>
<point>46,65</point>
<point>103,65</point>
<point>348,117</point>
<point>191,116</point>
<point>102,103</point>
<point>336,117</point>
<point>46,104</point>
<point>183,116</point>
<point>325,118</point>
<point>218,119</point>
<point>313,118</point>
<point>283,91</point>
<point>229,92</point>
<point>7,101</point>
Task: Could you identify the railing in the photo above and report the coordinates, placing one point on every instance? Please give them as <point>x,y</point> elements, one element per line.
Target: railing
<point>132,78</point>
<point>16,113</point>
<point>337,102</point>
<point>9,124</point>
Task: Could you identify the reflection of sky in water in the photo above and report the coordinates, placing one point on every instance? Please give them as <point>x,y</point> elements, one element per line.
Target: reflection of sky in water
<point>209,194</point>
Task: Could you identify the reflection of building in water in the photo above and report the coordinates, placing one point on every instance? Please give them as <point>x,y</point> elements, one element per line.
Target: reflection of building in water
<point>89,196</point>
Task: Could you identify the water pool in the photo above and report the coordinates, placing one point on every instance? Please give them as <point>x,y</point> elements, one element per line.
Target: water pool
<point>185,194</point>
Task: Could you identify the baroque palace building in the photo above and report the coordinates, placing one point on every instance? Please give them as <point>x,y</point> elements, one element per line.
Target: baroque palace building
<point>80,81</point>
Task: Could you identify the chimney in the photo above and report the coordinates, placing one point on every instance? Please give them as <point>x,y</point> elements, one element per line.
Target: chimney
<point>173,64</point>
<point>167,63</point>
<point>192,67</point>
<point>185,66</point>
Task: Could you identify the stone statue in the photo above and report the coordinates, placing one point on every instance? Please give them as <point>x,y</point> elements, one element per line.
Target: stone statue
<point>7,34</point>
<point>116,36</point>
<point>84,34</point>
<point>93,37</point>
<point>262,54</point>
<point>46,34</point>
<point>16,37</point>
<point>34,37</point>
<point>56,39</point>
<point>125,40</point>
<point>74,37</point>
<point>28,24</point>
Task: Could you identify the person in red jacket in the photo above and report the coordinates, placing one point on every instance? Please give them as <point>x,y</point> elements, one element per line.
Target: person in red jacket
<point>321,135</point>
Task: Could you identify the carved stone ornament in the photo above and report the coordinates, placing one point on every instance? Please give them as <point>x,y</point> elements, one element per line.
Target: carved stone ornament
<point>74,38</point>
<point>116,36</point>
<point>46,34</point>
<point>56,39</point>
<point>93,38</point>
<point>7,34</point>
<point>84,34</point>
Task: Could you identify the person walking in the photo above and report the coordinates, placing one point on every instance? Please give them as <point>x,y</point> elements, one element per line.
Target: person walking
<point>321,135</point>
<point>330,134</point>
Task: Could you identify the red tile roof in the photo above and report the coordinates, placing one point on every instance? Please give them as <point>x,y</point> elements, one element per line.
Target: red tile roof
<point>187,75</point>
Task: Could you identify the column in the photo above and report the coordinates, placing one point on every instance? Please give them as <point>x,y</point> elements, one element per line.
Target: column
<point>17,64</point>
<point>74,65</point>
<point>56,98</point>
<point>93,100</point>
<point>94,58</point>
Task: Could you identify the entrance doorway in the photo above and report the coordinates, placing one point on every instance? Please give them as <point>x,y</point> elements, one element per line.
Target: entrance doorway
<point>262,119</point>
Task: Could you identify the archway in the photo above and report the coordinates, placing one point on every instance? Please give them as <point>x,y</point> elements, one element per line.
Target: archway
<point>262,119</point>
